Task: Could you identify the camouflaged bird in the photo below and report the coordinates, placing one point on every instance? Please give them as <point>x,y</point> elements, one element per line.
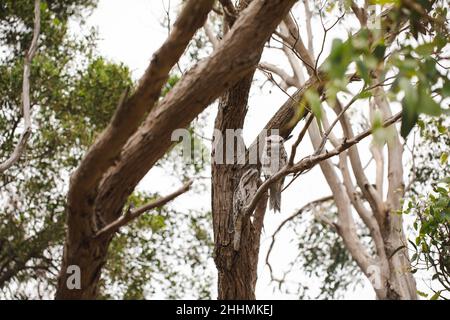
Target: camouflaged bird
<point>274,157</point>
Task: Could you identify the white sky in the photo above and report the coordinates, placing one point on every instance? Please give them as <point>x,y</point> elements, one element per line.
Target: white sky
<point>130,31</point>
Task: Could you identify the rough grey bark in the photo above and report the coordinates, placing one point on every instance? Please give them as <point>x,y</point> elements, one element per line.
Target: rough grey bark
<point>236,269</point>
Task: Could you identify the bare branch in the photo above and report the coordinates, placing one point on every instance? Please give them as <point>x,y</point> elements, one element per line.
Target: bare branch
<point>290,218</point>
<point>291,37</point>
<point>128,216</point>
<point>295,65</point>
<point>366,216</point>
<point>289,114</point>
<point>26,105</point>
<point>369,192</point>
<point>132,109</point>
<point>310,161</point>
<point>345,225</point>
<point>360,13</point>
<point>308,15</point>
<point>377,154</point>
<point>325,30</point>
<point>230,11</point>
<point>336,120</point>
<point>341,113</point>
<point>300,138</point>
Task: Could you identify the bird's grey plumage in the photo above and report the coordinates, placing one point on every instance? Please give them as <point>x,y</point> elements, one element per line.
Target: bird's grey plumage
<point>274,157</point>
<point>248,185</point>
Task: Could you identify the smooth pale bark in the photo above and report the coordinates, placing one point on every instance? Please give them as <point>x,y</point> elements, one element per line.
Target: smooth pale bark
<point>345,226</point>
<point>110,182</point>
<point>402,284</point>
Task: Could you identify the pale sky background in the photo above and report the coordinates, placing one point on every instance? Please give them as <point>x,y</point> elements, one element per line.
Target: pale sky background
<point>130,31</point>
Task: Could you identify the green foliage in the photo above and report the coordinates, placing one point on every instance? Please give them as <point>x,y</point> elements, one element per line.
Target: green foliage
<point>432,244</point>
<point>431,147</point>
<point>428,201</point>
<point>33,192</point>
<point>163,254</point>
<point>420,82</point>
<point>17,20</point>
<point>314,102</point>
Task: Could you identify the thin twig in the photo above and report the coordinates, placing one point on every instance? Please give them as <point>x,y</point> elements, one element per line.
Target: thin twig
<point>341,114</point>
<point>131,215</point>
<point>300,138</point>
<point>326,30</point>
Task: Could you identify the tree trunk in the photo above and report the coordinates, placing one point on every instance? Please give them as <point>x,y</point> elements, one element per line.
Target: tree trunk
<point>90,258</point>
<point>237,270</point>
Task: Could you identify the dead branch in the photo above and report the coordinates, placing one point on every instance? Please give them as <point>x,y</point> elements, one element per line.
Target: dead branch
<point>26,105</point>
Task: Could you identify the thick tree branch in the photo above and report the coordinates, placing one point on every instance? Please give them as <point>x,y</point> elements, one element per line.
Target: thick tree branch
<point>236,56</point>
<point>88,210</point>
<point>132,109</point>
